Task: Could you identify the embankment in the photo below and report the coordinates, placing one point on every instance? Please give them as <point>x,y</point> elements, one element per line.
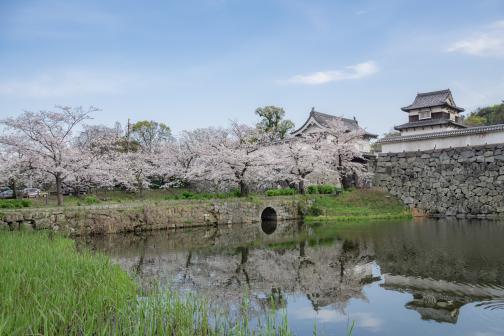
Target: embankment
<point>146,216</point>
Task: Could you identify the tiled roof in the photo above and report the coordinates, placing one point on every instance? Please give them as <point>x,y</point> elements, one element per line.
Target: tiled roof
<point>429,122</point>
<point>325,120</point>
<point>446,134</point>
<point>432,99</point>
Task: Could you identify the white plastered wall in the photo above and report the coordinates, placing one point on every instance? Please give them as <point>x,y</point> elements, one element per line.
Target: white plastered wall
<point>443,142</point>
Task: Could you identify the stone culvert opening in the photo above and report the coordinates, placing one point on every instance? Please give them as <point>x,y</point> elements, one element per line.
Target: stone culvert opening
<point>268,220</point>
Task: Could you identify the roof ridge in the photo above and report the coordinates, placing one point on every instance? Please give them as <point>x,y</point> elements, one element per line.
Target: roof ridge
<point>332,116</point>
<point>433,92</point>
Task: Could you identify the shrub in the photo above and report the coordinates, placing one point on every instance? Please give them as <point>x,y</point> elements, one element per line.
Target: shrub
<point>326,189</point>
<point>89,200</point>
<point>280,192</point>
<point>313,189</point>
<point>14,204</point>
<point>202,196</point>
<point>314,211</point>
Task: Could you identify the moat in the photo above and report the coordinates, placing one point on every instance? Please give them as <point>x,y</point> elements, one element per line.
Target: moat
<point>428,277</point>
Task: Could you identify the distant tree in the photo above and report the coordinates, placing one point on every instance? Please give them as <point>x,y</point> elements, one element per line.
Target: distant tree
<point>391,133</point>
<point>490,115</point>
<point>149,134</point>
<point>272,122</point>
<point>475,120</point>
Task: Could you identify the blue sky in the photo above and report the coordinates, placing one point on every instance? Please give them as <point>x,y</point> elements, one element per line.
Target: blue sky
<point>201,63</point>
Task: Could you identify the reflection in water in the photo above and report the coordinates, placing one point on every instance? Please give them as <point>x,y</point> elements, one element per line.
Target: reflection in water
<point>450,272</point>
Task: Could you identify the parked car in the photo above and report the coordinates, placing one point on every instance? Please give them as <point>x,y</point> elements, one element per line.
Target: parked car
<point>8,193</point>
<point>75,191</point>
<point>31,192</point>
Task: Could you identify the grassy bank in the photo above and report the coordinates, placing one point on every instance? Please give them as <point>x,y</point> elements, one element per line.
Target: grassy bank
<point>358,204</point>
<point>48,288</point>
<point>119,197</point>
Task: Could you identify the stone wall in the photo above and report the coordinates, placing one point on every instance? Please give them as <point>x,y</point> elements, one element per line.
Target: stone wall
<point>148,216</point>
<point>464,182</point>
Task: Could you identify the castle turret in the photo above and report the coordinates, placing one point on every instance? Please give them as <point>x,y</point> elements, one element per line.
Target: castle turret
<point>432,112</point>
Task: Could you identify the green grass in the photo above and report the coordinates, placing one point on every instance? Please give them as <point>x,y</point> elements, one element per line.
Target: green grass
<point>119,197</point>
<point>201,196</point>
<point>323,189</point>
<point>281,192</point>
<point>14,203</point>
<point>49,288</point>
<point>358,204</point>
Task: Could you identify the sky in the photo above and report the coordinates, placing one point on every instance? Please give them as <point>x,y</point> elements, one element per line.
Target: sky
<point>194,64</point>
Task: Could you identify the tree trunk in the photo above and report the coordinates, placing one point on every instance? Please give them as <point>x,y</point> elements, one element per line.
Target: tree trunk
<point>140,187</point>
<point>14,188</point>
<point>301,187</point>
<point>244,191</point>
<point>59,194</point>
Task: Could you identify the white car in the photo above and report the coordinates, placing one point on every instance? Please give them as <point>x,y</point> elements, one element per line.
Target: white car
<point>31,193</point>
<point>6,193</point>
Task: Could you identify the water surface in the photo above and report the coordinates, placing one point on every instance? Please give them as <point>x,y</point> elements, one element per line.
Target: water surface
<point>429,277</point>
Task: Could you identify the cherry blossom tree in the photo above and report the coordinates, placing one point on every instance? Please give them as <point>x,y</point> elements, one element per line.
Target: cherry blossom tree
<point>233,156</point>
<point>13,169</point>
<point>133,170</point>
<point>178,159</point>
<point>343,145</point>
<point>44,139</point>
<point>330,152</point>
<point>301,157</point>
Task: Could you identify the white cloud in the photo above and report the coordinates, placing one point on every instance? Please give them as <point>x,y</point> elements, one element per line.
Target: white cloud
<point>362,319</point>
<point>356,71</point>
<point>66,83</point>
<point>488,42</point>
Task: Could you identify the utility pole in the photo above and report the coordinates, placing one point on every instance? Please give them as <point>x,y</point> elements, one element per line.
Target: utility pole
<point>128,136</point>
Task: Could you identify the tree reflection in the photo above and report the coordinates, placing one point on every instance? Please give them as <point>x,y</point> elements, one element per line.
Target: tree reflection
<point>431,261</point>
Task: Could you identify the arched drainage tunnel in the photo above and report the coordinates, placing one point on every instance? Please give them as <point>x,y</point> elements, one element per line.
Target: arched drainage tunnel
<point>268,220</point>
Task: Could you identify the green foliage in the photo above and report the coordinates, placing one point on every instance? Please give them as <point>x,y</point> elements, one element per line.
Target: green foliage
<point>281,192</point>
<point>188,195</point>
<point>14,203</point>
<point>271,122</point>
<point>314,210</point>
<point>148,133</point>
<point>327,189</point>
<point>52,290</point>
<point>323,189</point>
<point>392,133</point>
<point>89,200</point>
<point>475,120</point>
<point>490,115</point>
